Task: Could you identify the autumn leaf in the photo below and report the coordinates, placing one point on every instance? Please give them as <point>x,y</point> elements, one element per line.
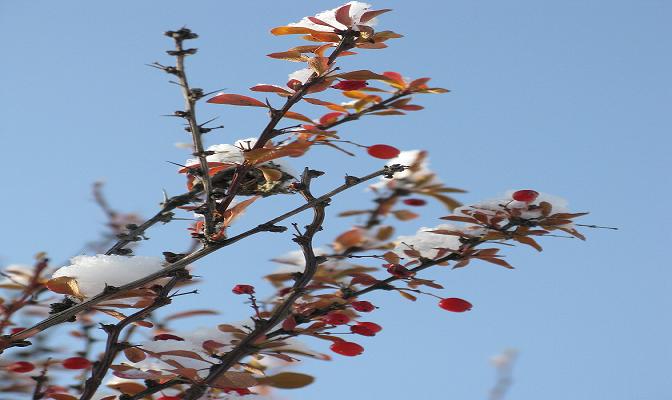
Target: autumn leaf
<point>297,116</point>
<point>65,285</point>
<point>236,100</point>
<point>134,354</point>
<point>291,30</point>
<point>290,55</point>
<point>234,379</point>
<point>287,380</point>
<point>270,89</point>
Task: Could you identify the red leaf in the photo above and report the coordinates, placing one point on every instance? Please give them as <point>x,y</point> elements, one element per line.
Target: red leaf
<point>369,15</point>
<point>319,22</point>
<point>270,89</point>
<point>343,15</point>
<point>236,100</point>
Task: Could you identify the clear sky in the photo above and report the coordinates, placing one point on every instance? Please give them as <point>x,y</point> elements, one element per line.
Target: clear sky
<point>568,97</point>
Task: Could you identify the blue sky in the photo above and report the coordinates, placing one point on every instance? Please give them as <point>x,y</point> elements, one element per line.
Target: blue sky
<point>570,98</point>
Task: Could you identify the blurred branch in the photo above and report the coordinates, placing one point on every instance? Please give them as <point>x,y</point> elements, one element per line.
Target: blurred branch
<point>504,364</point>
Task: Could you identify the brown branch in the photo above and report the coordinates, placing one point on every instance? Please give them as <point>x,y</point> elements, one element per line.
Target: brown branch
<point>247,344</point>
<point>113,346</point>
<point>268,226</point>
<point>191,96</point>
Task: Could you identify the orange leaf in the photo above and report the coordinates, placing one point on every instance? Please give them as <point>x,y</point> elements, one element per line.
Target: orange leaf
<point>289,55</point>
<point>236,100</point>
<point>291,30</point>
<point>298,117</point>
<point>65,285</point>
<point>346,240</point>
<point>331,106</point>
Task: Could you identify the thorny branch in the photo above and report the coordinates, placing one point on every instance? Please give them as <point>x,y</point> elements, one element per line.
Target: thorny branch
<point>269,226</point>
<point>191,96</point>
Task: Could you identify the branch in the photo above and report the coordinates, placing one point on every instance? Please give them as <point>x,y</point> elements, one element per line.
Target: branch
<point>113,347</point>
<point>189,114</point>
<point>268,226</point>
<point>246,345</point>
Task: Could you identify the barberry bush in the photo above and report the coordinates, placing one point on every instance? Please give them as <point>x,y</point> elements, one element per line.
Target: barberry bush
<point>318,293</point>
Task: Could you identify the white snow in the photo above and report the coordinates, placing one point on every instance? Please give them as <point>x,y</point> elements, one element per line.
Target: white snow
<point>357,8</point>
<point>426,242</point>
<point>301,75</point>
<point>93,272</point>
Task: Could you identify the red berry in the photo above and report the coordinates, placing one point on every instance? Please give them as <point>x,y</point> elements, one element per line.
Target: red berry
<point>383,151</point>
<point>168,398</point>
<point>362,330</point>
<point>336,318</point>
<point>16,330</point>
<point>243,289</point>
<point>350,85</point>
<point>415,202</point>
<point>399,271</point>
<point>455,304</point>
<point>373,327</point>
<point>349,349</point>
<point>76,363</point>
<point>526,195</point>
<point>20,367</point>
<point>168,336</point>
<point>363,306</point>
